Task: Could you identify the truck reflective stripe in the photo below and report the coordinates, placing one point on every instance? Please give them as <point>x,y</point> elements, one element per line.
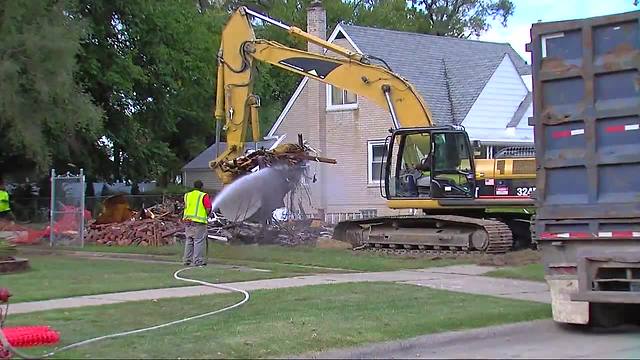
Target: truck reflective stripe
<point>567,133</point>
<point>601,234</point>
<point>572,235</point>
<point>619,234</point>
<point>622,128</point>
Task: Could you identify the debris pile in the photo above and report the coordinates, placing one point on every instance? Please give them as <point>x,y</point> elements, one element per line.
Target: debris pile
<point>168,209</point>
<point>154,226</point>
<point>285,233</point>
<point>116,209</point>
<point>147,232</point>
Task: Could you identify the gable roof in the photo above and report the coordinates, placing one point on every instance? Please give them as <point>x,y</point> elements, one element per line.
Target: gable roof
<point>201,162</point>
<point>522,108</point>
<point>448,72</point>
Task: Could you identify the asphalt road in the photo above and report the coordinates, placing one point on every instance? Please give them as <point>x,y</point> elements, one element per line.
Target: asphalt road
<point>537,339</point>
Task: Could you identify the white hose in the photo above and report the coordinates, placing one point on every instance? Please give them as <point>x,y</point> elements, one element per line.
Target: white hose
<point>6,345</point>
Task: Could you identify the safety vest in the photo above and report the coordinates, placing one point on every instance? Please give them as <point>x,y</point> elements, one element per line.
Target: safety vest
<point>194,209</point>
<point>4,201</point>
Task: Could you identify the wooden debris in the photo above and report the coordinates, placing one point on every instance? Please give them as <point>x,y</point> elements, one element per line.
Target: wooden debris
<point>154,226</point>
<point>147,232</point>
<point>290,154</point>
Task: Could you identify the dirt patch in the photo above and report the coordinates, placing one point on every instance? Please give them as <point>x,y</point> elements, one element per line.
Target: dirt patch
<point>516,258</point>
<point>328,243</point>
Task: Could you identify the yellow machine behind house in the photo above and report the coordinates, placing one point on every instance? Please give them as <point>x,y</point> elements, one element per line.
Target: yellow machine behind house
<point>469,205</point>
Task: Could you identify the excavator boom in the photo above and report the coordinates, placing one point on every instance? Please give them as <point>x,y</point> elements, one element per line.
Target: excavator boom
<point>236,105</point>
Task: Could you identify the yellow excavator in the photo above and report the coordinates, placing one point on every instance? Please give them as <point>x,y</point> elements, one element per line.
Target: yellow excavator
<point>469,205</point>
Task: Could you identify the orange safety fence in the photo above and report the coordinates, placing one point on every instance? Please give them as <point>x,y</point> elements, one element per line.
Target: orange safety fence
<point>69,223</point>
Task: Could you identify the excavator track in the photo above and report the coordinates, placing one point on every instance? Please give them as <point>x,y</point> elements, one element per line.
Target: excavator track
<point>436,235</point>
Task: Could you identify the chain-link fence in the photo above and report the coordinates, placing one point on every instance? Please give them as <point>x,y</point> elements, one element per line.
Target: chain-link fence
<point>67,214</point>
<point>37,210</point>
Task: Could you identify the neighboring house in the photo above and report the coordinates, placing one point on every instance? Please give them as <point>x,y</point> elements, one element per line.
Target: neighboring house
<point>198,168</point>
<point>486,87</point>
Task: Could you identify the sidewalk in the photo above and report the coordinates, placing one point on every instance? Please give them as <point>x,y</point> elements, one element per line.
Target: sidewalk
<point>461,278</point>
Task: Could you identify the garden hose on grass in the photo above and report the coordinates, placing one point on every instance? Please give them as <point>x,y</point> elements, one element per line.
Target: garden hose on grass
<point>176,275</point>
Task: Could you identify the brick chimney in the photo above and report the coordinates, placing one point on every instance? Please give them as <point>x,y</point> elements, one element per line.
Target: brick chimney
<point>316,105</point>
<point>316,23</point>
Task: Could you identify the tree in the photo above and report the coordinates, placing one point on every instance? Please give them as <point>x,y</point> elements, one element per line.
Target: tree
<point>463,18</point>
<point>45,115</point>
<point>151,66</point>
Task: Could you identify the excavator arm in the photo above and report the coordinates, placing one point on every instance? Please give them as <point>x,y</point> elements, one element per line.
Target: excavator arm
<point>237,106</point>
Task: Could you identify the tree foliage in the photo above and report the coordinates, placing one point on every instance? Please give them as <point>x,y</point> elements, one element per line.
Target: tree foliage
<point>463,18</point>
<point>45,116</point>
<point>151,66</point>
<point>126,88</point>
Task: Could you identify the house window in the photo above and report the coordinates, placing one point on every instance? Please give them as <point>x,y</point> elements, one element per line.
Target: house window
<point>377,152</point>
<point>340,99</point>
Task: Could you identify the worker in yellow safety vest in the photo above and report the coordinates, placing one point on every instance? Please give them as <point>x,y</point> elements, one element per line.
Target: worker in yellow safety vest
<point>197,206</point>
<point>5,205</point>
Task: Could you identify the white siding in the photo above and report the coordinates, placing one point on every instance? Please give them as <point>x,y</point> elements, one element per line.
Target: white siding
<point>209,179</point>
<point>527,81</point>
<point>498,101</point>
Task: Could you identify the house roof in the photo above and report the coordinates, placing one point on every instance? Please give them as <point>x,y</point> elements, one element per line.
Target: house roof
<point>201,162</point>
<point>449,73</point>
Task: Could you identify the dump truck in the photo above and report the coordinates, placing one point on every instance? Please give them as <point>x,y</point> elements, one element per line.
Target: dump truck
<point>586,106</point>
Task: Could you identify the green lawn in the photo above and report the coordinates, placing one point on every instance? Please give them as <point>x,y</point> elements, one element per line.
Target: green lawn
<point>56,276</point>
<point>307,256</point>
<point>278,322</point>
<point>533,272</point>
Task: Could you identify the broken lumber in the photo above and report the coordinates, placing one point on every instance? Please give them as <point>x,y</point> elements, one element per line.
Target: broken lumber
<point>147,232</point>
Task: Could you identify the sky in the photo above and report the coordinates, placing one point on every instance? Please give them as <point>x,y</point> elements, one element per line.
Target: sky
<point>527,12</point>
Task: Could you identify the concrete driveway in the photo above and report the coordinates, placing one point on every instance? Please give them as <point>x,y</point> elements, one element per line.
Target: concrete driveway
<point>538,339</point>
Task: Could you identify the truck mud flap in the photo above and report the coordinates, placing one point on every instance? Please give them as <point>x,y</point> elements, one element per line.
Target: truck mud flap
<point>564,308</point>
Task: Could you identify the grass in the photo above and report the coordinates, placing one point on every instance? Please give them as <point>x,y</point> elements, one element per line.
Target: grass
<point>278,322</point>
<point>533,272</point>
<point>172,251</point>
<point>307,256</point>
<point>56,276</point>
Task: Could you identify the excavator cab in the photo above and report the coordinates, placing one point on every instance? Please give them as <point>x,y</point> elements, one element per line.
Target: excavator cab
<point>429,163</point>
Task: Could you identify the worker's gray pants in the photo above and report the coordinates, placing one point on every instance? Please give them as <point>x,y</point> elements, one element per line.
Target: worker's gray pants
<point>195,243</point>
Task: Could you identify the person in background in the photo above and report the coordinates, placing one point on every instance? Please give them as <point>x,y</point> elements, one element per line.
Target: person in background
<point>5,205</point>
<point>197,206</point>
